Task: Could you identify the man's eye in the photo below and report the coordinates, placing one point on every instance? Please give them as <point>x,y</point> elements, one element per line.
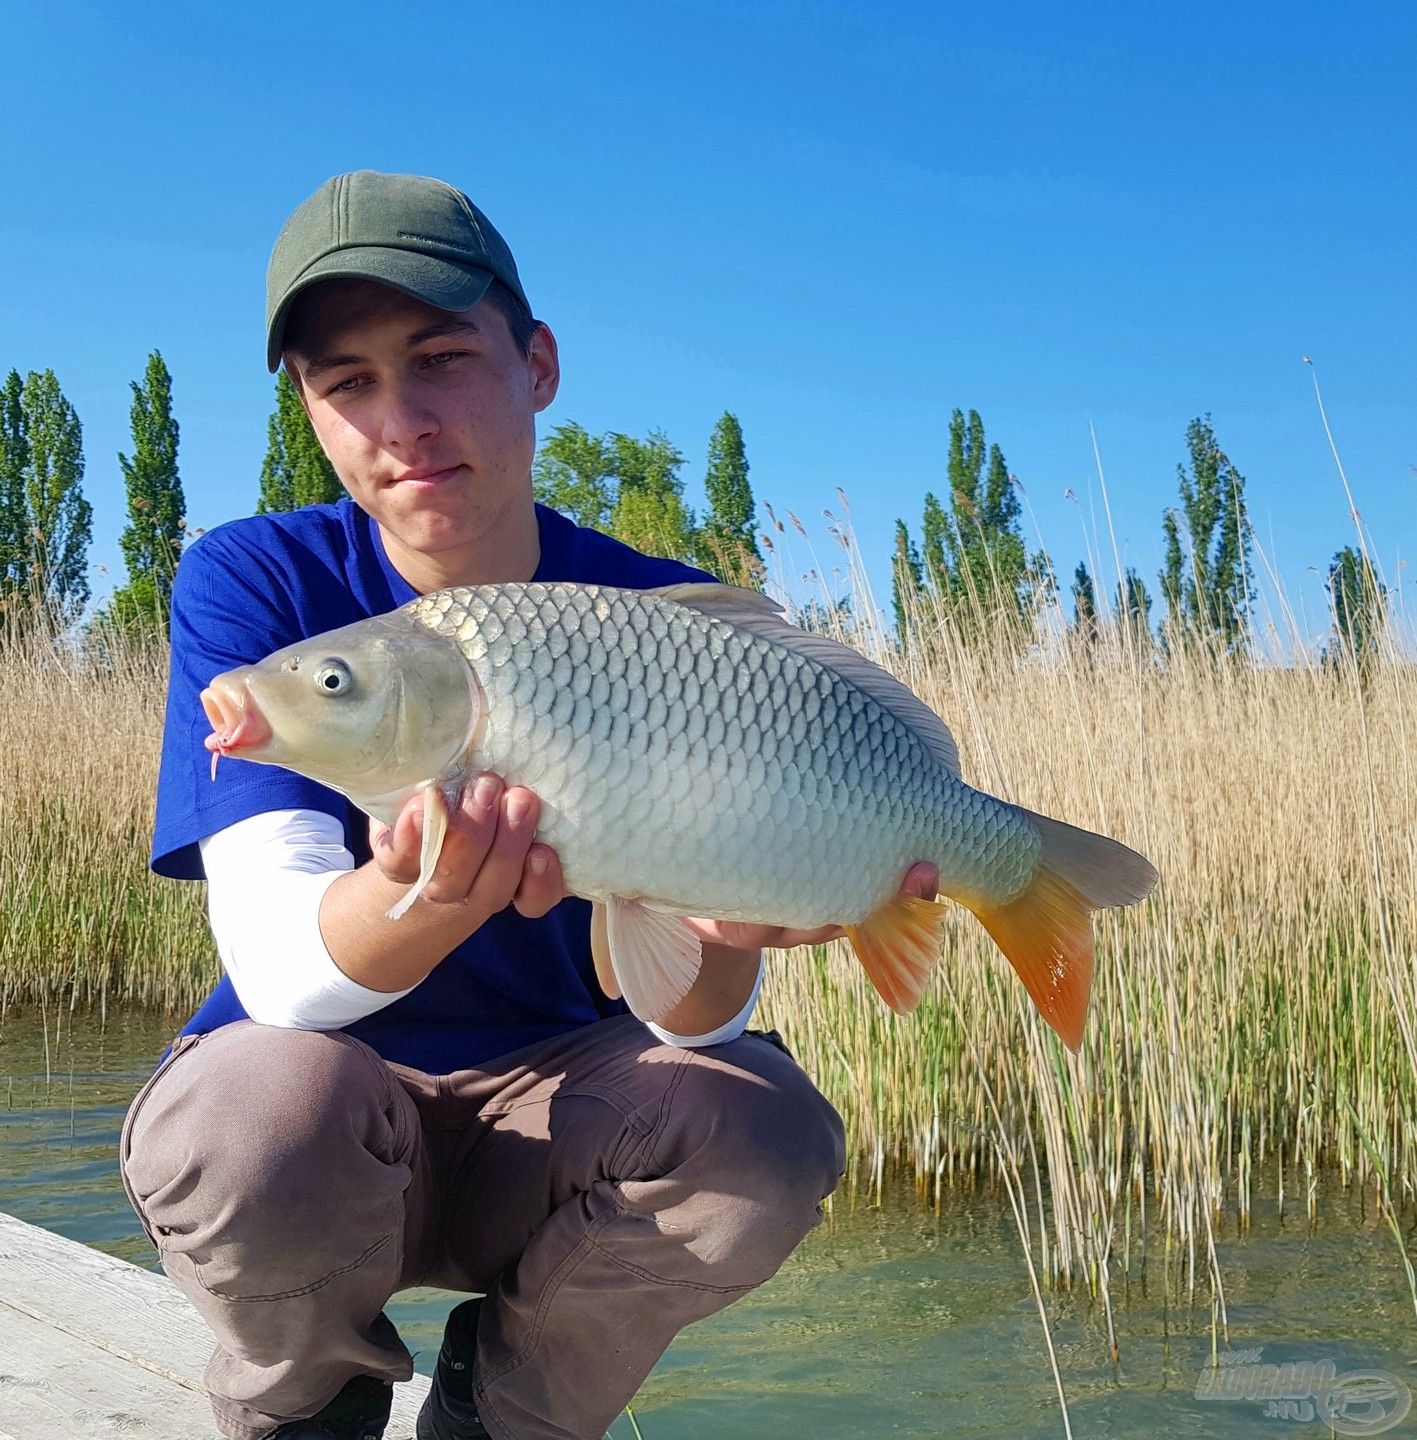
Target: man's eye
<point>346,386</point>
<point>444,356</point>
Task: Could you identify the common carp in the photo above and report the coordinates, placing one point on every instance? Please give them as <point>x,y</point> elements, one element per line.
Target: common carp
<point>695,755</point>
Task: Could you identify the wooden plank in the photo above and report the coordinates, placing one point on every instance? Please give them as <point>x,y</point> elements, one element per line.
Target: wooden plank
<point>60,1298</point>
<point>56,1387</point>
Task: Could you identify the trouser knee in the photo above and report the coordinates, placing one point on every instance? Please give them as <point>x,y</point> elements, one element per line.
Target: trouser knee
<point>269,1157</point>
<point>769,1148</point>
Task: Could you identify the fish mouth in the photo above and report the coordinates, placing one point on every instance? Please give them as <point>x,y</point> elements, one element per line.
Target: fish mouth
<point>238,727</point>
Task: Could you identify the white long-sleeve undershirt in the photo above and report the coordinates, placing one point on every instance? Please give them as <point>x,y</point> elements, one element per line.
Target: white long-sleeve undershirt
<point>266,877</point>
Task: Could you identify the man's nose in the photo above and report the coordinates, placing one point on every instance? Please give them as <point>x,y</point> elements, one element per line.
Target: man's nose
<point>408,417</point>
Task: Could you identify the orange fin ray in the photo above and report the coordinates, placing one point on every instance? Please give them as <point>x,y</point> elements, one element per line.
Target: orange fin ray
<point>1045,932</point>
<point>898,945</point>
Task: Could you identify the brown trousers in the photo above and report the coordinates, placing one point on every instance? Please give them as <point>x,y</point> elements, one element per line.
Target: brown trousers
<point>602,1189</point>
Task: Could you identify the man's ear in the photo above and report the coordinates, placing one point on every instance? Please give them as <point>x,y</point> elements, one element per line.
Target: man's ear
<point>544,362</point>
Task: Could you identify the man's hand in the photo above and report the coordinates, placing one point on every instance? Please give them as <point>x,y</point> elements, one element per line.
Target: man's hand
<point>921,880</point>
<point>489,859</point>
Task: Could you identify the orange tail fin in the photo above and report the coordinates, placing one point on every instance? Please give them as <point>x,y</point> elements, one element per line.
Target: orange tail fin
<point>1045,930</point>
<point>1045,933</point>
<point>898,946</point>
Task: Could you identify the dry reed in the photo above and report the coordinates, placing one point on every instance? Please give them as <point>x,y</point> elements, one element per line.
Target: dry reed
<point>1256,1018</point>
<point>84,918</point>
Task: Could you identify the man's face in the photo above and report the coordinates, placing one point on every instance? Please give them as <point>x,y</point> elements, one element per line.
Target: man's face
<point>427,415</point>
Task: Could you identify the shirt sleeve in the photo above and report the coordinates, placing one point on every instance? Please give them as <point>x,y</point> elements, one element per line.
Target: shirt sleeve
<point>231,605</point>
<point>273,951</point>
<point>730,1030</point>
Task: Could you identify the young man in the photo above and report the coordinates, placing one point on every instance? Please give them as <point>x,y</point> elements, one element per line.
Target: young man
<point>364,1105</point>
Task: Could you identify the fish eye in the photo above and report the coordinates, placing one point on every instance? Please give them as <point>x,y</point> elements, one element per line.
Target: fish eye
<point>333,677</point>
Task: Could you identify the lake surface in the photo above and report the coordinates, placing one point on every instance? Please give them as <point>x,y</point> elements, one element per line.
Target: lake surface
<point>887,1321</point>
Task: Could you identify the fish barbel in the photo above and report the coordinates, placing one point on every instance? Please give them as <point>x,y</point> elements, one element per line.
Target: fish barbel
<point>694,755</point>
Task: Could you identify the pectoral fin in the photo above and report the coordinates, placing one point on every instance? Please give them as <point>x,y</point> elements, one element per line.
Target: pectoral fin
<point>898,945</point>
<point>435,827</point>
<point>600,952</point>
<point>656,957</point>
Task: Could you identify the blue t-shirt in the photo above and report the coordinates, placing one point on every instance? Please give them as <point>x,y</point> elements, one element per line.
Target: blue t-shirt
<point>260,584</point>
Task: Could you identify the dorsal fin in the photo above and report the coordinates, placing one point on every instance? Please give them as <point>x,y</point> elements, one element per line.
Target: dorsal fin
<point>726,601</point>
<point>761,615</point>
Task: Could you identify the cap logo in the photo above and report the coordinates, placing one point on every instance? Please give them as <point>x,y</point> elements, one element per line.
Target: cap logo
<point>436,240</point>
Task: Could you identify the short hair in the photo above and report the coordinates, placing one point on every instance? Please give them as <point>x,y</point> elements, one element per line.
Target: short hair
<point>520,321</point>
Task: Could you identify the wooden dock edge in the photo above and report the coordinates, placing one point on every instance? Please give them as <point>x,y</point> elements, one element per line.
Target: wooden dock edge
<point>93,1348</point>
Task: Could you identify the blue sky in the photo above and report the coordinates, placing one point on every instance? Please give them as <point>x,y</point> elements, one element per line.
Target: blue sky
<point>838,221</point>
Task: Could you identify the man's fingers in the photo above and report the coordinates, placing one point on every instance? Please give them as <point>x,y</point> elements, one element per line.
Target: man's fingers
<point>472,830</point>
<point>542,885</point>
<point>500,873</point>
<point>396,848</point>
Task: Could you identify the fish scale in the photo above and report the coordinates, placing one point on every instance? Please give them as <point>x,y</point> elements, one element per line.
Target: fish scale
<point>733,777</point>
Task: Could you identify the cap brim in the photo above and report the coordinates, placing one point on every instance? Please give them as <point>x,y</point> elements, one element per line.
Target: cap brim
<point>425,277</point>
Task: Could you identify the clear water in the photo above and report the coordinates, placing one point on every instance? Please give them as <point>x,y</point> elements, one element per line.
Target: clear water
<point>887,1321</point>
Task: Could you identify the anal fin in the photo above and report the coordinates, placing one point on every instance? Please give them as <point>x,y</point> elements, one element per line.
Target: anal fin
<point>898,944</point>
<point>600,951</point>
<point>655,957</point>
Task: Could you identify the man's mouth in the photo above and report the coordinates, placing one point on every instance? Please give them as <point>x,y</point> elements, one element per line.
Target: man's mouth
<point>426,477</point>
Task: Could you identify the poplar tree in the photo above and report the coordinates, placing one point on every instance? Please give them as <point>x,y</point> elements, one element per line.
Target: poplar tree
<point>54,520</point>
<point>152,540</point>
<point>907,579</point>
<point>974,553</point>
<point>1133,606</point>
<point>1359,601</point>
<point>295,471</point>
<point>1206,580</point>
<point>1086,622</point>
<point>727,544</point>
<point>14,458</point>
<point>933,526</point>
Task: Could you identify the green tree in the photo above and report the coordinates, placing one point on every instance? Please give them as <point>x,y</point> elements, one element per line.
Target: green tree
<point>152,540</point>
<point>933,527</point>
<point>1133,606</point>
<point>14,460</point>
<point>907,579</point>
<point>650,512</point>
<point>55,521</point>
<point>1359,601</point>
<point>974,554</point>
<point>726,541</point>
<point>1206,579</point>
<point>1086,623</point>
<point>296,470</point>
<point>141,605</point>
<point>574,473</point>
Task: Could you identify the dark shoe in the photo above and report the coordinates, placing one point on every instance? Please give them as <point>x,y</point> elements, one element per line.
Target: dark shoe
<point>359,1412</point>
<point>449,1412</point>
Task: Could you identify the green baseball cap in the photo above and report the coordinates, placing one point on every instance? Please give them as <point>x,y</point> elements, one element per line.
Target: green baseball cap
<point>418,235</point>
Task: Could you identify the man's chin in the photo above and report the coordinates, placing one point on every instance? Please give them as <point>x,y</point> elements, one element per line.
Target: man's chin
<point>480,535</point>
